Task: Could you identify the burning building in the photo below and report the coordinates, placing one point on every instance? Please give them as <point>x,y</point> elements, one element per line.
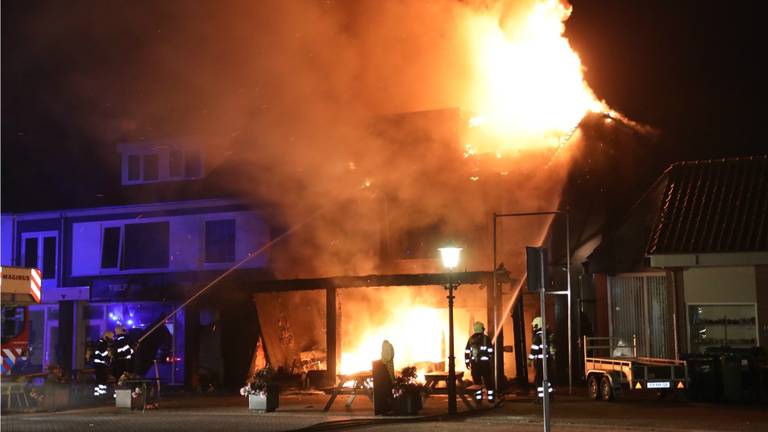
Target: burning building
<point>368,196</point>
<point>340,208</point>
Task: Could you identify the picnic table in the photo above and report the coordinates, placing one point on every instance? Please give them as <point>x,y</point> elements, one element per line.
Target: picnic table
<point>432,379</point>
<point>362,384</point>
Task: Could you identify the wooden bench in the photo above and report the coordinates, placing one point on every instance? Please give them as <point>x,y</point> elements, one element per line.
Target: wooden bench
<point>432,379</point>
<point>362,384</point>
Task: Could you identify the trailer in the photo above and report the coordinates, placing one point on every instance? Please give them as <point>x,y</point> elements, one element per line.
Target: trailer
<point>612,368</point>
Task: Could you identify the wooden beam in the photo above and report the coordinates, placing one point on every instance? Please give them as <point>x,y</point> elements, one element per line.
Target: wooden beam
<point>424,279</point>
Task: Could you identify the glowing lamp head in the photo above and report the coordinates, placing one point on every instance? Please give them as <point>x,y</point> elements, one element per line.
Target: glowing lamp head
<point>450,256</point>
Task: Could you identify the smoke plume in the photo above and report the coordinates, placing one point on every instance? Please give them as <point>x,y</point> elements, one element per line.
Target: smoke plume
<point>299,101</point>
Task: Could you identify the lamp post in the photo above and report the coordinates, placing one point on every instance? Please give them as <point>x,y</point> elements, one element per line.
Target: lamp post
<point>450,257</point>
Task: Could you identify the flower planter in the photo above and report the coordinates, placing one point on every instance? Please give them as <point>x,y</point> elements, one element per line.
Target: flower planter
<point>264,402</point>
<point>56,396</point>
<point>407,403</point>
<point>123,398</point>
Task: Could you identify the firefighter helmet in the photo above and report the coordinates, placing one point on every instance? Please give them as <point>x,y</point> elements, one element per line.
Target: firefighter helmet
<point>120,330</point>
<point>536,323</point>
<point>478,327</point>
<point>108,335</point>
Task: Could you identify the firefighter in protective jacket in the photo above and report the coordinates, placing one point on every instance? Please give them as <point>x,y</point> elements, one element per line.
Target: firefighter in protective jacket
<point>123,352</point>
<point>537,356</point>
<point>478,357</point>
<point>102,359</point>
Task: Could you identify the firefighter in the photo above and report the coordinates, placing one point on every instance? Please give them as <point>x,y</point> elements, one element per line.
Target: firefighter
<point>478,356</point>
<point>123,352</point>
<point>537,357</point>
<point>102,360</point>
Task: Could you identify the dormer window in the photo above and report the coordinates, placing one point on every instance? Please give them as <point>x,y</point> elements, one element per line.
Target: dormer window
<point>192,164</point>
<point>151,168</point>
<point>134,168</point>
<point>175,163</point>
<point>159,161</point>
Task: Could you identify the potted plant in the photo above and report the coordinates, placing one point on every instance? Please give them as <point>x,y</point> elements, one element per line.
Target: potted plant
<point>263,395</point>
<point>55,392</point>
<point>407,393</point>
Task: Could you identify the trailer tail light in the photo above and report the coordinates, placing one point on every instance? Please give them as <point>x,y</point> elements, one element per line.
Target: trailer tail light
<point>638,386</point>
<point>680,385</point>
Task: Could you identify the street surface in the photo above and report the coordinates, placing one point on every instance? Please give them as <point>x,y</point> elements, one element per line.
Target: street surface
<point>187,412</point>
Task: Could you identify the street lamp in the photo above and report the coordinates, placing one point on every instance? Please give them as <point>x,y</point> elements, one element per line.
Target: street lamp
<point>450,257</point>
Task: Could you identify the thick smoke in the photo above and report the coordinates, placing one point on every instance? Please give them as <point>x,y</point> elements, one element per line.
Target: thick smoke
<point>298,100</point>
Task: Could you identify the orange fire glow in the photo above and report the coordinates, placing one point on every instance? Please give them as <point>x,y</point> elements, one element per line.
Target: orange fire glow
<point>528,89</point>
<point>527,92</point>
<point>418,334</point>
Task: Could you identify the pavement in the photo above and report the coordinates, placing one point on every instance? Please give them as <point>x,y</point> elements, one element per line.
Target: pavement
<point>303,411</point>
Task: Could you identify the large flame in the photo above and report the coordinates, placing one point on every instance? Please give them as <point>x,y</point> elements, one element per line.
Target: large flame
<point>528,92</point>
<point>528,89</point>
<point>418,334</point>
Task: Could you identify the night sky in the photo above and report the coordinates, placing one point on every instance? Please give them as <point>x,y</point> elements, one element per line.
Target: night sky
<point>74,75</point>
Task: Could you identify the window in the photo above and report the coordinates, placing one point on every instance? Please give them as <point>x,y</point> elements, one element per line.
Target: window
<point>110,247</point>
<point>192,164</point>
<point>175,160</point>
<point>134,168</point>
<point>30,252</point>
<point>94,312</point>
<point>639,309</point>
<point>146,245</point>
<point>39,251</point>
<point>49,257</point>
<point>715,325</point>
<point>151,167</point>
<point>220,241</point>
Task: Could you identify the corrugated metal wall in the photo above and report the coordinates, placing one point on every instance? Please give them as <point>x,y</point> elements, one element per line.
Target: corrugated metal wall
<point>639,306</point>
<point>659,316</point>
<point>627,317</point>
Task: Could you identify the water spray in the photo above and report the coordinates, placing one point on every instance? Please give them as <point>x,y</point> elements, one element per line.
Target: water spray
<point>237,265</point>
<point>499,323</point>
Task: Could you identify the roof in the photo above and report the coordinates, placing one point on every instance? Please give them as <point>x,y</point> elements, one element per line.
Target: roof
<point>713,206</point>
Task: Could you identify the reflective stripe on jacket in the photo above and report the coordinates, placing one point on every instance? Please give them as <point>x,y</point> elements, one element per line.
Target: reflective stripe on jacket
<point>537,347</point>
<point>101,354</point>
<point>478,350</point>
<point>123,349</point>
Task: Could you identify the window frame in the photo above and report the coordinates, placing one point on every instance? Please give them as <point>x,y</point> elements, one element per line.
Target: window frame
<point>192,159</point>
<point>139,174</point>
<point>145,159</point>
<point>41,236</point>
<point>167,267</point>
<point>142,157</point>
<point>176,155</point>
<point>689,342</point>
<point>204,239</point>
<point>120,240</point>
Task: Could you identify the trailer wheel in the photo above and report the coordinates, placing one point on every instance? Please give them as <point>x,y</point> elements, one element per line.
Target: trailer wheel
<point>606,389</point>
<point>593,387</point>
